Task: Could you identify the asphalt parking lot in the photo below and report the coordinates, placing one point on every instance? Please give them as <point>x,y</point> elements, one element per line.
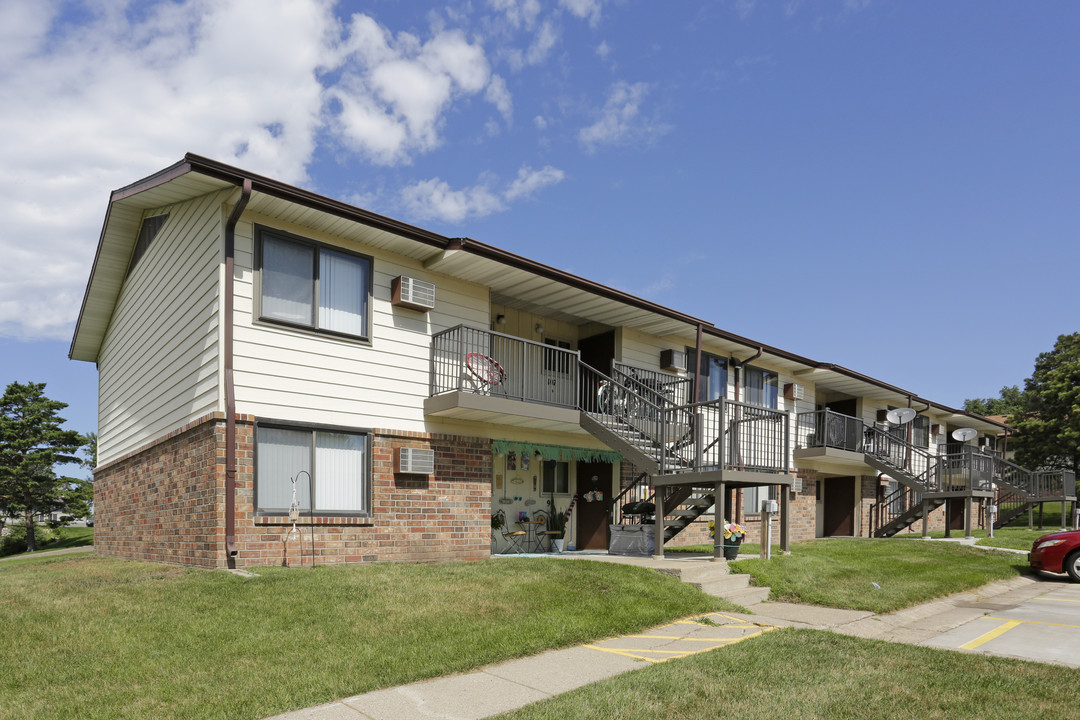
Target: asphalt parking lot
<point>1045,628</point>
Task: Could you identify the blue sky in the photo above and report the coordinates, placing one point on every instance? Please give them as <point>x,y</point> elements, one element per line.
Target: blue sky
<point>891,186</point>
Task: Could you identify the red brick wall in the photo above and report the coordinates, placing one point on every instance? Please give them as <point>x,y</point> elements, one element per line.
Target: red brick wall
<point>415,518</point>
<point>166,503</point>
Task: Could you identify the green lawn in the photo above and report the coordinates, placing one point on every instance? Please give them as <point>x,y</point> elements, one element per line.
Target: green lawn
<point>812,675</point>
<point>96,637</point>
<point>842,573</point>
<point>67,537</point>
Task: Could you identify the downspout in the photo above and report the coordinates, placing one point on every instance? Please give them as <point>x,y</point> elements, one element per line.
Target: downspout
<point>230,388</point>
<point>697,368</point>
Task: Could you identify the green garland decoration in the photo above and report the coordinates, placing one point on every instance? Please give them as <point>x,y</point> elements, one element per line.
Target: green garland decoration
<point>560,453</point>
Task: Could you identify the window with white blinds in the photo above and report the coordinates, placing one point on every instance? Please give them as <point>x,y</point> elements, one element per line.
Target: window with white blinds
<point>313,286</point>
<point>331,465</point>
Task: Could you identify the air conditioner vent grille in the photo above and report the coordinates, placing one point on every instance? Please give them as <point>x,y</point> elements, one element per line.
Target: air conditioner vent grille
<point>412,293</point>
<point>415,461</point>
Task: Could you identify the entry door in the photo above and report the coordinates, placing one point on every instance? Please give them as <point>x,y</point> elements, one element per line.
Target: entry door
<point>955,510</point>
<point>594,496</point>
<point>839,498</point>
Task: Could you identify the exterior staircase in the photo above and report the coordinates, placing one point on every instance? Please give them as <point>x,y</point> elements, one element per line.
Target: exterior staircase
<point>636,415</point>
<point>717,580</point>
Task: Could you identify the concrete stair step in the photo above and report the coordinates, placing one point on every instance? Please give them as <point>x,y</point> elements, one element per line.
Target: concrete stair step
<point>747,596</point>
<point>727,583</point>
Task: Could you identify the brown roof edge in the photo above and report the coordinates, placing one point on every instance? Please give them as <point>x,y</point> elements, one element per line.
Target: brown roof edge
<point>284,191</point>
<point>162,176</point>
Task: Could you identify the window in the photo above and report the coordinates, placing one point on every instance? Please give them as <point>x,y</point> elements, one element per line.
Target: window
<point>920,431</point>
<point>313,286</point>
<point>147,232</point>
<point>556,478</point>
<point>761,387</point>
<point>713,375</point>
<point>555,361</point>
<point>338,462</point>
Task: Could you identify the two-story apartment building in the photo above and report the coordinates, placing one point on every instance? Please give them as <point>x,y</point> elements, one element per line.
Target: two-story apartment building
<point>262,348</point>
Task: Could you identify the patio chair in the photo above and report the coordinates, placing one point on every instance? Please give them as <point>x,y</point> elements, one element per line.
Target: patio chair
<point>513,538</point>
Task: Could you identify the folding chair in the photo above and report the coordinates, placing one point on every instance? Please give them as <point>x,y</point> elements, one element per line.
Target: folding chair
<point>512,537</point>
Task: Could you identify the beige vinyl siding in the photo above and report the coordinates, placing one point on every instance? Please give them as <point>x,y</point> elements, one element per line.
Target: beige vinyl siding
<point>158,366</point>
<point>306,377</point>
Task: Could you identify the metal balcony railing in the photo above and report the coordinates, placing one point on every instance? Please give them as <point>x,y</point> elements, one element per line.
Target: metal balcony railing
<point>729,435</point>
<point>825,428</point>
<point>483,362</point>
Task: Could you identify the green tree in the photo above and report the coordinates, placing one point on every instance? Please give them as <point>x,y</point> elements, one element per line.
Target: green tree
<point>32,443</point>
<point>1048,427</point>
<point>1009,402</point>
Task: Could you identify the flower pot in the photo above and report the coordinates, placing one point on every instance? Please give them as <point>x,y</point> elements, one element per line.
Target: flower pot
<point>731,547</point>
<point>559,544</point>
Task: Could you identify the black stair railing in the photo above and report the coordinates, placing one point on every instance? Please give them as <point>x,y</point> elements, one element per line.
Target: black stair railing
<point>892,508</point>
<point>825,428</point>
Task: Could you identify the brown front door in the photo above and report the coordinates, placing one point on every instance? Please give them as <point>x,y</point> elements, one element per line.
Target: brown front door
<point>955,508</point>
<point>594,494</point>
<point>839,498</point>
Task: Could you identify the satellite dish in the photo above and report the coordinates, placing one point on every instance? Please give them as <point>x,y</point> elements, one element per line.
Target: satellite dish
<point>900,416</point>
<point>964,434</point>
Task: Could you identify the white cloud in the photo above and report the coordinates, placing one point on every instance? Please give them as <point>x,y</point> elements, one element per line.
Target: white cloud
<point>519,13</point>
<point>540,122</point>
<point>96,96</point>
<point>435,199</point>
<point>394,90</point>
<point>545,40</point>
<point>620,121</point>
<point>603,50</point>
<point>529,181</point>
<point>93,107</point>
<point>498,95</point>
<point>584,9</point>
<point>744,7</point>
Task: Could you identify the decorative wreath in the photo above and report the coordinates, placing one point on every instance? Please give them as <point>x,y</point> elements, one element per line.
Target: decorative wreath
<point>486,369</point>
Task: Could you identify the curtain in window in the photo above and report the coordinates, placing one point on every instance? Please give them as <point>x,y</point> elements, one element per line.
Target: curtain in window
<point>283,454</point>
<point>287,281</point>
<point>343,286</point>
<point>713,375</point>
<point>761,387</point>
<point>340,463</point>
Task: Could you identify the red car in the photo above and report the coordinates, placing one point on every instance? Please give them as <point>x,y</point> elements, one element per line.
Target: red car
<point>1057,552</point>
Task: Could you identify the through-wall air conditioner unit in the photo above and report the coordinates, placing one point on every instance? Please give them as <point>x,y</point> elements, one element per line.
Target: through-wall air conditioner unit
<point>673,360</point>
<point>415,461</point>
<point>794,391</point>
<point>411,293</point>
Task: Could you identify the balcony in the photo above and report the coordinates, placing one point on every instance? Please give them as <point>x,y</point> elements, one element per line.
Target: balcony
<point>824,438</point>
<point>485,376</point>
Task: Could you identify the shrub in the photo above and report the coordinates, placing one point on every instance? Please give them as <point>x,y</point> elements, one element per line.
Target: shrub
<point>14,539</point>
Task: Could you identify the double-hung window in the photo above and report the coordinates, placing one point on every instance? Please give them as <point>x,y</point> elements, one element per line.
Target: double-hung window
<point>714,375</point>
<point>313,286</point>
<point>761,387</point>
<point>556,478</point>
<point>332,464</point>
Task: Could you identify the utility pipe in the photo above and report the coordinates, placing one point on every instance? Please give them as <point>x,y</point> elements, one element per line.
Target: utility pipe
<point>230,388</point>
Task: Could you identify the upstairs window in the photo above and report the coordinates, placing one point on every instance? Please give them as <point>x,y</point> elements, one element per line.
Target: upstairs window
<point>147,232</point>
<point>761,387</point>
<point>713,375</point>
<point>313,286</point>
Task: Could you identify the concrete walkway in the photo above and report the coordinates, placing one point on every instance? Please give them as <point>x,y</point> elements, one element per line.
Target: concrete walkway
<point>510,685</point>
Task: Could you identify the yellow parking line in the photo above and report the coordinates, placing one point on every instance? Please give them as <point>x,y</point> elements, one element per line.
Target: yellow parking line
<point>1035,622</point>
<point>679,637</point>
<point>1058,599</point>
<point>987,637</point>
<point>674,654</point>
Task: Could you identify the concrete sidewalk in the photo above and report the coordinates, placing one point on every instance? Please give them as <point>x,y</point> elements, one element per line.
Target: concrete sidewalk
<point>513,684</point>
<point>506,686</point>
<point>49,553</point>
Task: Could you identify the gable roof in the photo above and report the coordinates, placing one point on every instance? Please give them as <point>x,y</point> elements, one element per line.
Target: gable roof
<point>511,278</point>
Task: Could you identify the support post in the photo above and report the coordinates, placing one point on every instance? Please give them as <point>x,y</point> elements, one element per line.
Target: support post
<point>925,518</point>
<point>968,501</point>
<point>1031,517</point>
<point>718,523</point>
<point>948,517</point>
<point>785,519</point>
<point>658,525</point>
<point>1064,516</point>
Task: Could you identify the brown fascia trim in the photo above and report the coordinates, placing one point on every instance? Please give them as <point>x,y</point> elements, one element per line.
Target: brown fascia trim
<point>283,191</point>
<point>159,178</point>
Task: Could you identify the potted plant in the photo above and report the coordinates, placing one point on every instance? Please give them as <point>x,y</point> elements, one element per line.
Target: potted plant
<point>556,525</point>
<point>733,537</point>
